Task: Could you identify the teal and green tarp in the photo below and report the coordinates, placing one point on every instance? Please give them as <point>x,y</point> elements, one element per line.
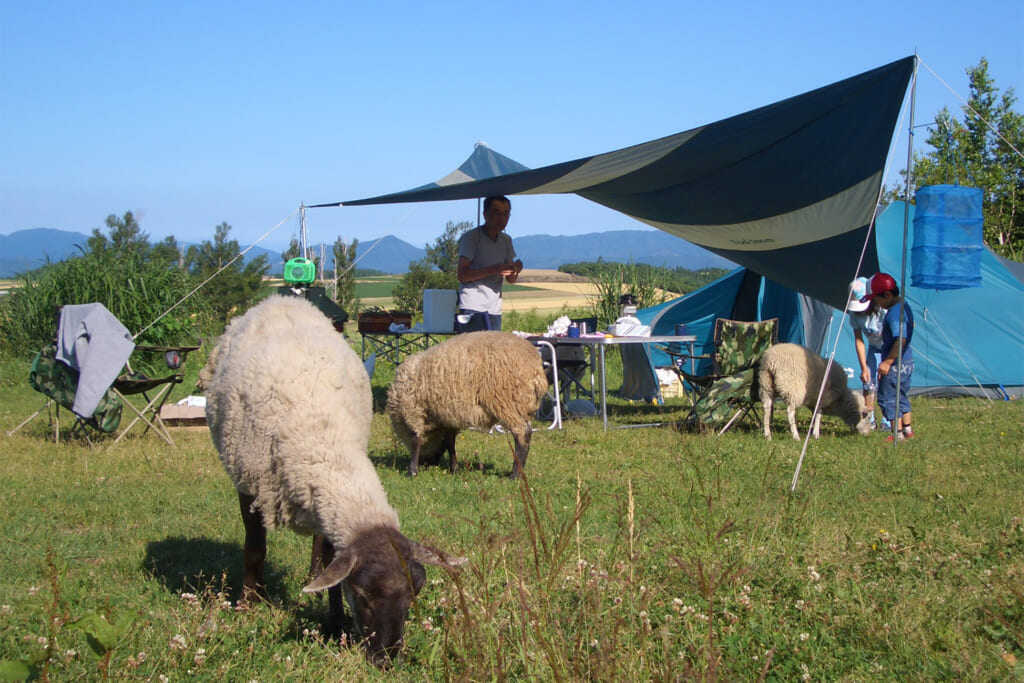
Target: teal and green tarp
<point>787,190</point>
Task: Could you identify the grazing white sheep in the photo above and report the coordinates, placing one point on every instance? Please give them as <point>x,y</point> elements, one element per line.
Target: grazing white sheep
<point>793,373</point>
<point>479,379</point>
<point>289,409</point>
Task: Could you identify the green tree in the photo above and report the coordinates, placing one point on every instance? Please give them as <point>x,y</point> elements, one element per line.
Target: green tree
<point>437,270</point>
<point>169,251</point>
<point>232,287</point>
<point>125,235</point>
<point>443,254</point>
<point>345,276</point>
<point>982,150</point>
<point>121,272</point>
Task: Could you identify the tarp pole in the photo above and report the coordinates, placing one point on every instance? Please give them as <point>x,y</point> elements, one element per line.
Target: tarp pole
<point>903,256</point>
<point>302,229</point>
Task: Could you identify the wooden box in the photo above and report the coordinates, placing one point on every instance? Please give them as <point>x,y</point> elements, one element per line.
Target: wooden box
<point>379,322</point>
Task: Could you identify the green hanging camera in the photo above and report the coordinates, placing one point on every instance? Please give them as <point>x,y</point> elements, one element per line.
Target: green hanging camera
<point>299,271</point>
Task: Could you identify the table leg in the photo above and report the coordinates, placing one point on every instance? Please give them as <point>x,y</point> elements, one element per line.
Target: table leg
<point>604,389</point>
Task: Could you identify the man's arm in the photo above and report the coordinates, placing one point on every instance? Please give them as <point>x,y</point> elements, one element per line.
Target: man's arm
<point>468,274</point>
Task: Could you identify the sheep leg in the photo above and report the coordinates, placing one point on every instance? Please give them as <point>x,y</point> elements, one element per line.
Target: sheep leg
<point>816,427</point>
<point>254,553</point>
<point>323,555</point>
<point>766,419</point>
<point>522,442</point>
<point>449,445</point>
<point>414,459</point>
<point>791,416</point>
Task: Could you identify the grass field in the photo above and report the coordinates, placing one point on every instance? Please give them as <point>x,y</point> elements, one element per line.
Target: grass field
<point>636,554</point>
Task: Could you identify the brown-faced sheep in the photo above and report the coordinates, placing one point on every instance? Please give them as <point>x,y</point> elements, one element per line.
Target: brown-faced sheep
<point>793,373</point>
<point>289,409</point>
<point>479,379</point>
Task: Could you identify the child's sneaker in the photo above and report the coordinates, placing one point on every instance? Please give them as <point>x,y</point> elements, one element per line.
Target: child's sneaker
<point>899,437</point>
<point>908,433</point>
<point>871,421</point>
<point>886,426</point>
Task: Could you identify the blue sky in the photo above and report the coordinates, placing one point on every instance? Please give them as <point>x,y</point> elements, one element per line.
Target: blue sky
<point>194,113</point>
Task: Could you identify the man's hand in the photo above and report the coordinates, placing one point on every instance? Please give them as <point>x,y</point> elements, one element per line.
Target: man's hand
<point>885,366</point>
<point>511,269</point>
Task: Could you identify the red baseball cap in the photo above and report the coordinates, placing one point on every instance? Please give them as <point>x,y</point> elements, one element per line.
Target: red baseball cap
<point>880,283</point>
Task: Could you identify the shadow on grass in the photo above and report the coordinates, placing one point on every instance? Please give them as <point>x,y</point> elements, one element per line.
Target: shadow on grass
<point>399,460</point>
<point>197,565</point>
<point>380,398</point>
<point>193,564</point>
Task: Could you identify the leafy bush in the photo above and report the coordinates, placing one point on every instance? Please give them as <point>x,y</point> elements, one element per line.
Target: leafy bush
<point>137,289</point>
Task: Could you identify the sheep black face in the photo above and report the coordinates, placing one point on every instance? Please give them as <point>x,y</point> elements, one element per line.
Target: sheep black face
<point>382,571</point>
<point>863,425</point>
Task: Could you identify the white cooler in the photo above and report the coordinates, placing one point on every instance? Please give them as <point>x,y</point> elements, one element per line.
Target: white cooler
<point>439,310</point>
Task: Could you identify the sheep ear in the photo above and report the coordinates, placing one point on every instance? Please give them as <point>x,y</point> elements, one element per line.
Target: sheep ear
<point>424,554</point>
<point>336,572</point>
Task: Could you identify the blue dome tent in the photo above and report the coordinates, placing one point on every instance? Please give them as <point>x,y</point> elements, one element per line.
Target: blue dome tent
<point>966,341</point>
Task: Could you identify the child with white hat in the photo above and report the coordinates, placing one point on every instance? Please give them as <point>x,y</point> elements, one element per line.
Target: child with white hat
<point>866,319</point>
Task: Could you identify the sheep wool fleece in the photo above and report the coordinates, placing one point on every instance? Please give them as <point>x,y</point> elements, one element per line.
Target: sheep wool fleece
<point>478,379</point>
<point>290,409</point>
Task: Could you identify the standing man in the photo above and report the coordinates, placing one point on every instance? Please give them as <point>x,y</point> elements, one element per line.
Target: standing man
<point>486,261</point>
<point>895,407</point>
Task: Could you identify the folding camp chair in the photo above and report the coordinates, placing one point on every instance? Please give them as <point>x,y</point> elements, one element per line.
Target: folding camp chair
<point>731,388</point>
<point>573,364</point>
<point>58,383</point>
<point>154,391</point>
<point>88,371</point>
<point>567,375</point>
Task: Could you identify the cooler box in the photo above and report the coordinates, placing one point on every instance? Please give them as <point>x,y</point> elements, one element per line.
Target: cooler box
<point>439,310</point>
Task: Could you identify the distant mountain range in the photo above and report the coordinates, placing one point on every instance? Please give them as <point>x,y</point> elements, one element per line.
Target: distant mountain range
<point>28,249</point>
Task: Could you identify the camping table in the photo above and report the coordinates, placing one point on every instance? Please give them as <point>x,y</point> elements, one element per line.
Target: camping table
<point>599,342</point>
<point>393,344</point>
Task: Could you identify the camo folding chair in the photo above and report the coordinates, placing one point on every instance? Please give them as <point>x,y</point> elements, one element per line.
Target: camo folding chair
<point>58,383</point>
<point>730,393</point>
<point>154,391</point>
<point>88,371</point>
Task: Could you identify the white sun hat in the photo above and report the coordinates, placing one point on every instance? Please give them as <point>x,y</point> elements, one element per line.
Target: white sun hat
<point>858,290</point>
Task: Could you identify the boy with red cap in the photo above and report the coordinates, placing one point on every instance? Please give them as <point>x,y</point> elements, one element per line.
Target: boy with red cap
<point>896,408</point>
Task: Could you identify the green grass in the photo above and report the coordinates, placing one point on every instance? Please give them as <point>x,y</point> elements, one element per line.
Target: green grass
<point>636,554</point>
<point>377,286</point>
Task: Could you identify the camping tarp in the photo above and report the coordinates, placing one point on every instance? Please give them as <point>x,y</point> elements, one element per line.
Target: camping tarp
<point>966,341</point>
<point>771,189</point>
<point>484,162</point>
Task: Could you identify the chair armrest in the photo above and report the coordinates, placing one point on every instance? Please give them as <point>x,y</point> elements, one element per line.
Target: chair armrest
<point>165,349</point>
<point>675,350</point>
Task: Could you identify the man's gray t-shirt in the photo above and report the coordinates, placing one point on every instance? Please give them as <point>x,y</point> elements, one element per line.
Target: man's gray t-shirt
<point>484,295</point>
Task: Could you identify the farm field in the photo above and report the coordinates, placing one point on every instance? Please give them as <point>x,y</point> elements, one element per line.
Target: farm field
<point>545,291</point>
<point>632,554</point>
